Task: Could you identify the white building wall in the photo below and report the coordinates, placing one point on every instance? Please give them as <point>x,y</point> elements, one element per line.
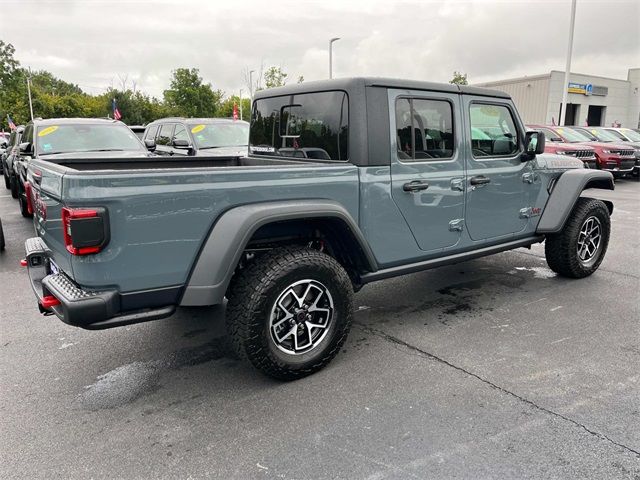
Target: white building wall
<point>529,95</point>
<point>616,101</point>
<point>634,98</point>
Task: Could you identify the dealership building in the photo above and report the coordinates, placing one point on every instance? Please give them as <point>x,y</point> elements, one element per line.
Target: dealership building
<point>591,100</point>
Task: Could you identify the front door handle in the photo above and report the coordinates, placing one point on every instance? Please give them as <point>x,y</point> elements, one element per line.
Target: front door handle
<point>415,186</point>
<point>479,180</point>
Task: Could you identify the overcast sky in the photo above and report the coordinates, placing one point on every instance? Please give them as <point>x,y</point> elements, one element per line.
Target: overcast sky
<point>94,42</point>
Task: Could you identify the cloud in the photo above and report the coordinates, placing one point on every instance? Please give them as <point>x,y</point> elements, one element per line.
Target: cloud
<point>91,42</point>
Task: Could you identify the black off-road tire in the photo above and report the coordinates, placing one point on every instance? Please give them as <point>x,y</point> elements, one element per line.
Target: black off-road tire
<point>24,209</point>
<point>252,296</point>
<point>2,245</point>
<point>13,186</point>
<point>561,249</point>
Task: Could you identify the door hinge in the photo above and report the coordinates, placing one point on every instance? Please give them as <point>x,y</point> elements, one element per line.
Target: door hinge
<point>457,184</point>
<point>456,225</point>
<point>529,177</point>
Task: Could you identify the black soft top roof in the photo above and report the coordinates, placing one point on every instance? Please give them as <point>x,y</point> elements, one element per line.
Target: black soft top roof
<point>349,84</point>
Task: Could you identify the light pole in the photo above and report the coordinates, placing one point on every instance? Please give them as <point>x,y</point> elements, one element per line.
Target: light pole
<point>331,55</point>
<point>251,84</point>
<point>567,70</point>
<point>29,92</point>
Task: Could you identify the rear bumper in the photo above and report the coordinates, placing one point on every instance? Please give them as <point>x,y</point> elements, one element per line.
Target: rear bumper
<point>90,309</point>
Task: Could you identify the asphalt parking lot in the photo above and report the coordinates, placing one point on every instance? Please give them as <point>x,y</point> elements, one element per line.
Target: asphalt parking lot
<point>493,368</point>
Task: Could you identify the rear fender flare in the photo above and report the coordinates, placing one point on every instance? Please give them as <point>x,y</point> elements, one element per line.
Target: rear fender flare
<point>221,252</point>
<point>565,194</point>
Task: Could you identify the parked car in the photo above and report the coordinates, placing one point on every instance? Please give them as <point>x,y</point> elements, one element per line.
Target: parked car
<point>555,144</point>
<point>629,137</point>
<point>138,130</point>
<point>2,242</point>
<point>211,137</point>
<point>619,156</point>
<point>608,155</point>
<point>287,239</point>
<point>57,139</point>
<point>8,159</point>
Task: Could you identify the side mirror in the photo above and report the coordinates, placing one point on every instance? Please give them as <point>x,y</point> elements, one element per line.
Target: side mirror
<point>26,148</point>
<point>182,144</point>
<point>150,143</point>
<point>534,143</point>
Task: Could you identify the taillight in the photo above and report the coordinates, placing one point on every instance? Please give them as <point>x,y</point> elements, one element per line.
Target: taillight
<point>27,192</point>
<point>85,230</point>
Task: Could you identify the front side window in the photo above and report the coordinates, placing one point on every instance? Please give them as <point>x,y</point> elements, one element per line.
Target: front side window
<point>86,138</point>
<point>166,132</point>
<point>493,131</point>
<point>309,125</point>
<point>424,129</point>
<point>180,133</point>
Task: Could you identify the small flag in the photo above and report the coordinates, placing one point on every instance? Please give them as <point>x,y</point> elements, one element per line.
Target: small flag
<point>12,125</point>
<point>116,113</point>
<point>235,111</point>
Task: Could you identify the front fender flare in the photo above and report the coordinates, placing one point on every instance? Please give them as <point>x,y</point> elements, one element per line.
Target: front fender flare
<point>231,233</point>
<point>565,194</point>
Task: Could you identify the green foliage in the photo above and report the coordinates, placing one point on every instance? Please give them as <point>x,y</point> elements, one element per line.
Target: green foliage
<point>274,77</point>
<point>189,96</point>
<point>459,78</point>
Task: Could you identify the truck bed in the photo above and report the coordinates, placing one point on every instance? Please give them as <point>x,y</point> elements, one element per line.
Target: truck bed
<point>158,163</point>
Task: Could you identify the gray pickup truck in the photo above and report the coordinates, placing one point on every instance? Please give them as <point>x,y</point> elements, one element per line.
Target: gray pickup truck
<point>413,176</point>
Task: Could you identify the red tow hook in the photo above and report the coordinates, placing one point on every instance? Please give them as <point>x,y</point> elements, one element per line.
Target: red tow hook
<point>23,262</point>
<point>49,301</point>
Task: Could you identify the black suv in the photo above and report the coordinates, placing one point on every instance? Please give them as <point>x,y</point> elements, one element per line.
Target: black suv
<point>57,139</point>
<point>8,159</point>
<point>210,137</point>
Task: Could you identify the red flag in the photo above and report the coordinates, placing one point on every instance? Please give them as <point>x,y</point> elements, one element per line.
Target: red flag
<point>235,112</point>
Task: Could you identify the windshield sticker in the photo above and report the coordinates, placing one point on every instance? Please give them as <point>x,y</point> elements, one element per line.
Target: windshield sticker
<point>197,128</point>
<point>263,149</point>
<point>46,147</point>
<point>47,131</point>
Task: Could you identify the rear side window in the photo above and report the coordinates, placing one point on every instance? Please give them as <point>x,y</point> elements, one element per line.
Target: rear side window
<point>493,131</point>
<point>164,137</point>
<point>309,125</point>
<point>151,132</point>
<point>424,129</point>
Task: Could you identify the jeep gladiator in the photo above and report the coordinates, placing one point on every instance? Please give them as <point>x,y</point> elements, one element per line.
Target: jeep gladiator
<point>413,176</point>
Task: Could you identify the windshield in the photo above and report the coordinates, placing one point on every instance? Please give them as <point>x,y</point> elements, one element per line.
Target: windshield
<point>603,135</point>
<point>214,135</point>
<point>632,135</point>
<point>86,138</point>
<point>572,136</point>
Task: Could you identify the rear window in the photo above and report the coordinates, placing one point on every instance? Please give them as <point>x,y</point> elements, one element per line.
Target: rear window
<point>85,138</point>
<point>309,125</point>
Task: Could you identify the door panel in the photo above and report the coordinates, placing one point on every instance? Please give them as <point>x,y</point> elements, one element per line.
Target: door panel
<point>495,186</point>
<point>427,165</point>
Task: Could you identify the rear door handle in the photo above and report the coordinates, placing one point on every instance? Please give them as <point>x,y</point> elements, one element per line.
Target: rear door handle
<point>415,186</point>
<point>480,180</point>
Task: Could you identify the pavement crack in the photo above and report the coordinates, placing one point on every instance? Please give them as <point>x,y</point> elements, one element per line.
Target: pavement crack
<point>431,356</point>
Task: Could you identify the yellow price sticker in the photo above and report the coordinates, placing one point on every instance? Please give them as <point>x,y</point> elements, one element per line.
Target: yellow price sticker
<point>197,128</point>
<point>47,131</point>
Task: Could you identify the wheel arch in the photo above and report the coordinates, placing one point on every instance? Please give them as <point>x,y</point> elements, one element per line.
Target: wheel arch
<point>566,191</point>
<point>231,234</point>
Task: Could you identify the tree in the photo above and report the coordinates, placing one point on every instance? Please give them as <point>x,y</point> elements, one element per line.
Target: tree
<point>459,78</point>
<point>189,96</point>
<point>301,79</point>
<point>274,77</point>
